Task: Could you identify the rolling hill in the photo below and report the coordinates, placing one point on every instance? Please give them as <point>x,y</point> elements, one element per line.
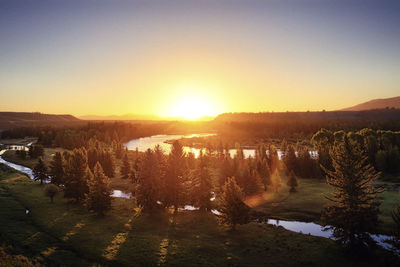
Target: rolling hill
<point>393,102</point>
<point>18,119</point>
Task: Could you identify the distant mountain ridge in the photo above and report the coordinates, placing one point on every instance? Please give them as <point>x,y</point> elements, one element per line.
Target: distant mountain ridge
<point>19,119</point>
<point>132,117</point>
<point>382,103</point>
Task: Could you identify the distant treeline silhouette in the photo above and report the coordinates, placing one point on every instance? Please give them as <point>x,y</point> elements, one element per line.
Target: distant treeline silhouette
<point>242,127</point>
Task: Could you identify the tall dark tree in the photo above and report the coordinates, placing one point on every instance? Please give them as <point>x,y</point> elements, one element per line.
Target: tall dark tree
<point>264,173</point>
<point>51,190</point>
<point>354,211</point>
<point>290,159</point>
<point>57,171</point>
<point>201,187</point>
<point>35,151</point>
<point>39,171</point>
<point>322,141</point>
<point>98,198</point>
<point>292,182</point>
<point>75,182</point>
<point>108,164</point>
<point>231,206</point>
<point>273,159</point>
<point>147,191</point>
<point>93,156</point>
<point>125,167</point>
<point>175,177</point>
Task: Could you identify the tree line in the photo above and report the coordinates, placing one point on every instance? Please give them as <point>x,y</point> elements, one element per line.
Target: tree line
<point>381,147</point>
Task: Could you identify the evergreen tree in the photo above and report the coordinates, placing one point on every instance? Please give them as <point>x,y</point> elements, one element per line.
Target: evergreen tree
<point>253,184</point>
<point>98,198</point>
<point>225,170</point>
<point>147,191</point>
<point>51,190</point>
<point>125,167</point>
<point>284,145</point>
<point>355,209</point>
<point>292,182</point>
<point>264,173</point>
<point>75,182</point>
<point>107,162</point>
<point>57,172</point>
<point>231,206</point>
<point>93,156</point>
<point>202,188</point>
<point>290,159</point>
<point>273,159</point>
<point>175,177</point>
<point>39,171</point>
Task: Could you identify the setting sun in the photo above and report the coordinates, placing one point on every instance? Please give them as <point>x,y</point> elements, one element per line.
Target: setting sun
<point>192,108</point>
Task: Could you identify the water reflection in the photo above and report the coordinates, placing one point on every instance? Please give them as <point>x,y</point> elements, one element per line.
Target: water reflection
<point>144,143</point>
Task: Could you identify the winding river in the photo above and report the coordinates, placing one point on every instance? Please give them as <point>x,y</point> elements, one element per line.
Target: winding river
<point>149,142</point>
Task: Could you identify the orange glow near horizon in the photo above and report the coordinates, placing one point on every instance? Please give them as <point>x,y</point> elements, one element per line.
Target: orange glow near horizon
<point>192,108</point>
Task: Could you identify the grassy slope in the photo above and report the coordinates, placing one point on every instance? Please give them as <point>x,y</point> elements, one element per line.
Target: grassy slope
<point>63,232</point>
<point>12,156</point>
<point>308,202</point>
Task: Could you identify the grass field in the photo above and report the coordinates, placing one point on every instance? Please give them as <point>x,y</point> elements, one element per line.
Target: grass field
<point>11,155</point>
<point>309,200</point>
<point>63,233</point>
<point>304,205</point>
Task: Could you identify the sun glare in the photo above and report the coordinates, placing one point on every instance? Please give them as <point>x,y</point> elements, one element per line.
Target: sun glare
<point>192,108</point>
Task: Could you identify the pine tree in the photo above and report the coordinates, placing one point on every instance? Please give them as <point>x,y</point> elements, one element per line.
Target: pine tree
<point>231,206</point>
<point>292,182</point>
<point>147,191</point>
<point>290,159</point>
<point>57,171</point>
<point>51,190</point>
<point>273,159</point>
<point>107,163</point>
<point>75,182</point>
<point>253,184</point>
<point>93,157</point>
<point>283,147</point>
<point>202,188</point>
<point>98,198</point>
<point>355,209</point>
<point>175,177</point>
<point>264,173</point>
<point>125,167</point>
<point>39,171</point>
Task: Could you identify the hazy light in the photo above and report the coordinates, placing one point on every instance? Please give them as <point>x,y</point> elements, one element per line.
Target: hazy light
<point>192,108</point>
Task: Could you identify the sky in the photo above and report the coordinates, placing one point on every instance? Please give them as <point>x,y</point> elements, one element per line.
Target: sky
<point>167,57</point>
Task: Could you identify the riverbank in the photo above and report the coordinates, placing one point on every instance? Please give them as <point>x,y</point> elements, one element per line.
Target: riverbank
<point>61,230</point>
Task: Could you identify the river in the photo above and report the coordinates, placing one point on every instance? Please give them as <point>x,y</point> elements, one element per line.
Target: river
<point>144,143</point>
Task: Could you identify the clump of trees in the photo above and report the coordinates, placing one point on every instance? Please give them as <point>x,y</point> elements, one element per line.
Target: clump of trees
<point>354,212</point>
<point>381,147</point>
<point>35,151</point>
